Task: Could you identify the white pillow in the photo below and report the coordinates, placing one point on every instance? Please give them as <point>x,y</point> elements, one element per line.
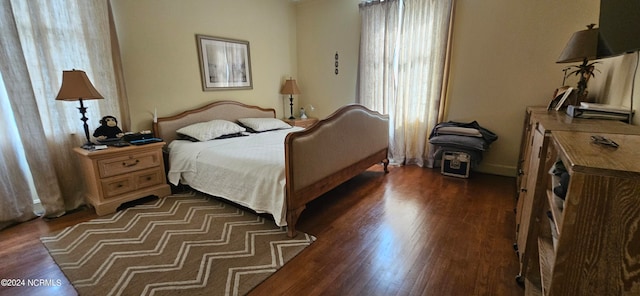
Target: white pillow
<point>460,131</point>
<point>263,124</point>
<point>204,131</point>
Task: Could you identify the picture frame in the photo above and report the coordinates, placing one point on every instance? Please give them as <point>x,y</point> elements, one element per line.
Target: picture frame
<point>560,97</point>
<point>225,64</point>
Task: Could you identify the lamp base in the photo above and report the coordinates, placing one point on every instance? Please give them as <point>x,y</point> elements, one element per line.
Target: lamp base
<point>291,106</point>
<point>83,110</point>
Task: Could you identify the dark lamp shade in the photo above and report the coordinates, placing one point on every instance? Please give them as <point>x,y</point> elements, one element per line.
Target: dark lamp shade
<point>290,88</point>
<point>583,45</point>
<point>76,86</point>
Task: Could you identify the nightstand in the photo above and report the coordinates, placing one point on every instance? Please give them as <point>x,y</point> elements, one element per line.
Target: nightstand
<point>307,122</point>
<point>120,174</point>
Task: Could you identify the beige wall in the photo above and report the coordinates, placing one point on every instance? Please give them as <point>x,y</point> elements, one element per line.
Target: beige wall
<point>160,58</point>
<point>324,28</point>
<point>503,58</point>
<point>613,83</point>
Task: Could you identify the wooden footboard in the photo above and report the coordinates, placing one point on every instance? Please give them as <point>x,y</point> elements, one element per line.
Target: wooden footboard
<point>331,152</point>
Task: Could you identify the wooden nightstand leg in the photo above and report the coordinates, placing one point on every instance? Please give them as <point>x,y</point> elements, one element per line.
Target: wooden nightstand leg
<point>110,207</point>
<point>106,209</point>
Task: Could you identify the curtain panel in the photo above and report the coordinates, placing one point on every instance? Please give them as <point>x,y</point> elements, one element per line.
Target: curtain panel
<point>402,67</point>
<point>42,38</point>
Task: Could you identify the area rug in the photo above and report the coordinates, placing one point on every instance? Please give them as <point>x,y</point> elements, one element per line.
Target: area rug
<point>188,244</point>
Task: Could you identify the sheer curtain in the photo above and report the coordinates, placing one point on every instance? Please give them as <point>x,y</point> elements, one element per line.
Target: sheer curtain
<point>40,39</point>
<point>402,70</point>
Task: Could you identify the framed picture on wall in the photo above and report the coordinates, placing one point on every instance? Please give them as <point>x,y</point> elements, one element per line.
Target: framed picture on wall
<point>224,63</point>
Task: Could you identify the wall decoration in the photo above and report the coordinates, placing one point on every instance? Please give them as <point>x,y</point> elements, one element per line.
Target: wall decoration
<point>224,63</point>
<point>336,64</point>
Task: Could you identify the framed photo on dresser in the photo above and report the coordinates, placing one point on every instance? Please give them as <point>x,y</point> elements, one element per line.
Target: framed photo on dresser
<point>560,97</point>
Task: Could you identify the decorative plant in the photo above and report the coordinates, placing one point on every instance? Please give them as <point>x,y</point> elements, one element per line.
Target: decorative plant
<point>585,70</point>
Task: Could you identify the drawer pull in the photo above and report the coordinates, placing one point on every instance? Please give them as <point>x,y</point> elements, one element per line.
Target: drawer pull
<point>130,164</point>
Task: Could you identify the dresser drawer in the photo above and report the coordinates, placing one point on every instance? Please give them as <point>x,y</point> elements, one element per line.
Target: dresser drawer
<point>129,163</point>
<point>130,182</point>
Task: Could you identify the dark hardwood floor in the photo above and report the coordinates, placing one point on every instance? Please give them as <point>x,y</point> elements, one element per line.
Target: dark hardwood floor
<point>409,232</point>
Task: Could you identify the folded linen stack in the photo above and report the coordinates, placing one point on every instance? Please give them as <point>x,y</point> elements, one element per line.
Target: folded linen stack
<point>470,138</point>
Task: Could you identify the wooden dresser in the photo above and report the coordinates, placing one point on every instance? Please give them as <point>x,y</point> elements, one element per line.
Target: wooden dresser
<point>590,244</point>
<point>536,158</point>
<point>120,174</point>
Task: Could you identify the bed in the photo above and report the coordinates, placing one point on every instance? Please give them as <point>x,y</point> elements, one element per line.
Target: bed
<point>294,165</point>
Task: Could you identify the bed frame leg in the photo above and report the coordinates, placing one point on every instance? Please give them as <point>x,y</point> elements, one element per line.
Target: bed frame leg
<point>292,219</point>
<point>385,163</point>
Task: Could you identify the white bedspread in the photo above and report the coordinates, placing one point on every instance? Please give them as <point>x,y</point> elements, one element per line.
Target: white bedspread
<point>247,170</point>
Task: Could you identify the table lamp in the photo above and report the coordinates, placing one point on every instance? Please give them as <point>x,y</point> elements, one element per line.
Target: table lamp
<point>290,88</point>
<point>76,86</point>
<point>582,47</point>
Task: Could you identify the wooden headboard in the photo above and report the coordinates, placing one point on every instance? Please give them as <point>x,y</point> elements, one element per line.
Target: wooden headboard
<point>165,127</point>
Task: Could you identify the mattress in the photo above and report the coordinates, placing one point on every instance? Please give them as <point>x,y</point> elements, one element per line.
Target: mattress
<point>247,170</point>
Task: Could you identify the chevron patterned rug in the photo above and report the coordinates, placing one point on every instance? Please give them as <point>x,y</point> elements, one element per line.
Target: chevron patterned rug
<point>187,244</point>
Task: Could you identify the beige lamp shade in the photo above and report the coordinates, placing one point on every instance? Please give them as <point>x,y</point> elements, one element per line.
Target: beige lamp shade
<point>290,88</point>
<point>585,44</point>
<point>75,86</point>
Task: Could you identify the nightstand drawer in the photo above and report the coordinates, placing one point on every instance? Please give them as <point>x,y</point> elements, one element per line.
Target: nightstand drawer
<point>118,185</point>
<point>307,122</point>
<point>122,184</point>
<point>150,178</point>
<point>129,163</point>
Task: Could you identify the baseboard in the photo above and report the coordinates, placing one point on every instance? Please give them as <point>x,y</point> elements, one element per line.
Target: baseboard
<point>497,169</point>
